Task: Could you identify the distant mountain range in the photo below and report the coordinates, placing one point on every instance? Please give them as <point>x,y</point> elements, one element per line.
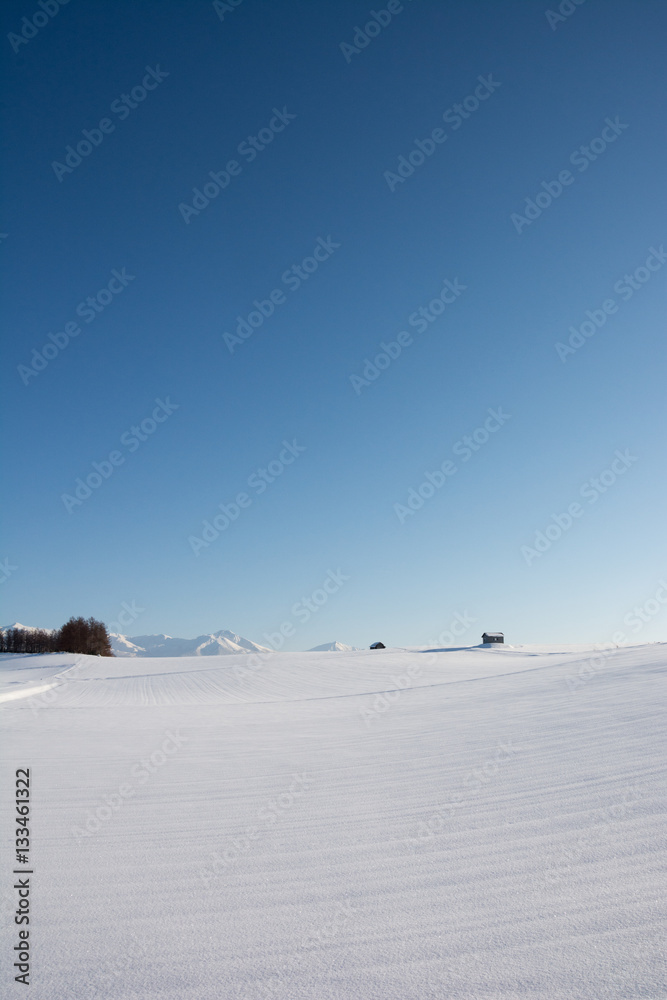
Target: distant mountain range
<point>24,628</point>
<point>213,644</point>
<point>333,647</point>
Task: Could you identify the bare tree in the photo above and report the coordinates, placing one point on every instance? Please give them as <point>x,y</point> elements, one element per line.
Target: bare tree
<point>81,635</point>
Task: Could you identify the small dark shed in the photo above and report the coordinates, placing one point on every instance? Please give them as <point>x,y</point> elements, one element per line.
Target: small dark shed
<point>493,637</point>
<point>378,645</point>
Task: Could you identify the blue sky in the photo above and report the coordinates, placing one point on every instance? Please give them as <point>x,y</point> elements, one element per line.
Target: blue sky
<point>332,126</point>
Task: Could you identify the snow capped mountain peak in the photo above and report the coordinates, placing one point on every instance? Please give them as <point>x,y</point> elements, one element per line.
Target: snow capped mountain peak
<point>333,647</point>
<point>220,643</point>
<point>238,640</point>
<point>210,644</point>
<point>122,646</point>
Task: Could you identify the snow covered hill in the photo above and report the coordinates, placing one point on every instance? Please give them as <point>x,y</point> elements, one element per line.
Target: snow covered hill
<point>213,644</point>
<point>468,824</point>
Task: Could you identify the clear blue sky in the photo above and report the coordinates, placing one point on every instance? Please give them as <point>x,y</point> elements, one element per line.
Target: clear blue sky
<point>200,82</point>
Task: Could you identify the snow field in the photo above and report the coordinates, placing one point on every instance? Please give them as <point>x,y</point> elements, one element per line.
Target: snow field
<point>313,826</point>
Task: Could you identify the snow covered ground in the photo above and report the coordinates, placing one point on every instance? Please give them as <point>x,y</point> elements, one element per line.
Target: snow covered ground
<point>473,823</point>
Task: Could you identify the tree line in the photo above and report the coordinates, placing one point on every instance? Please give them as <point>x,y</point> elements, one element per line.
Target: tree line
<point>78,635</point>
